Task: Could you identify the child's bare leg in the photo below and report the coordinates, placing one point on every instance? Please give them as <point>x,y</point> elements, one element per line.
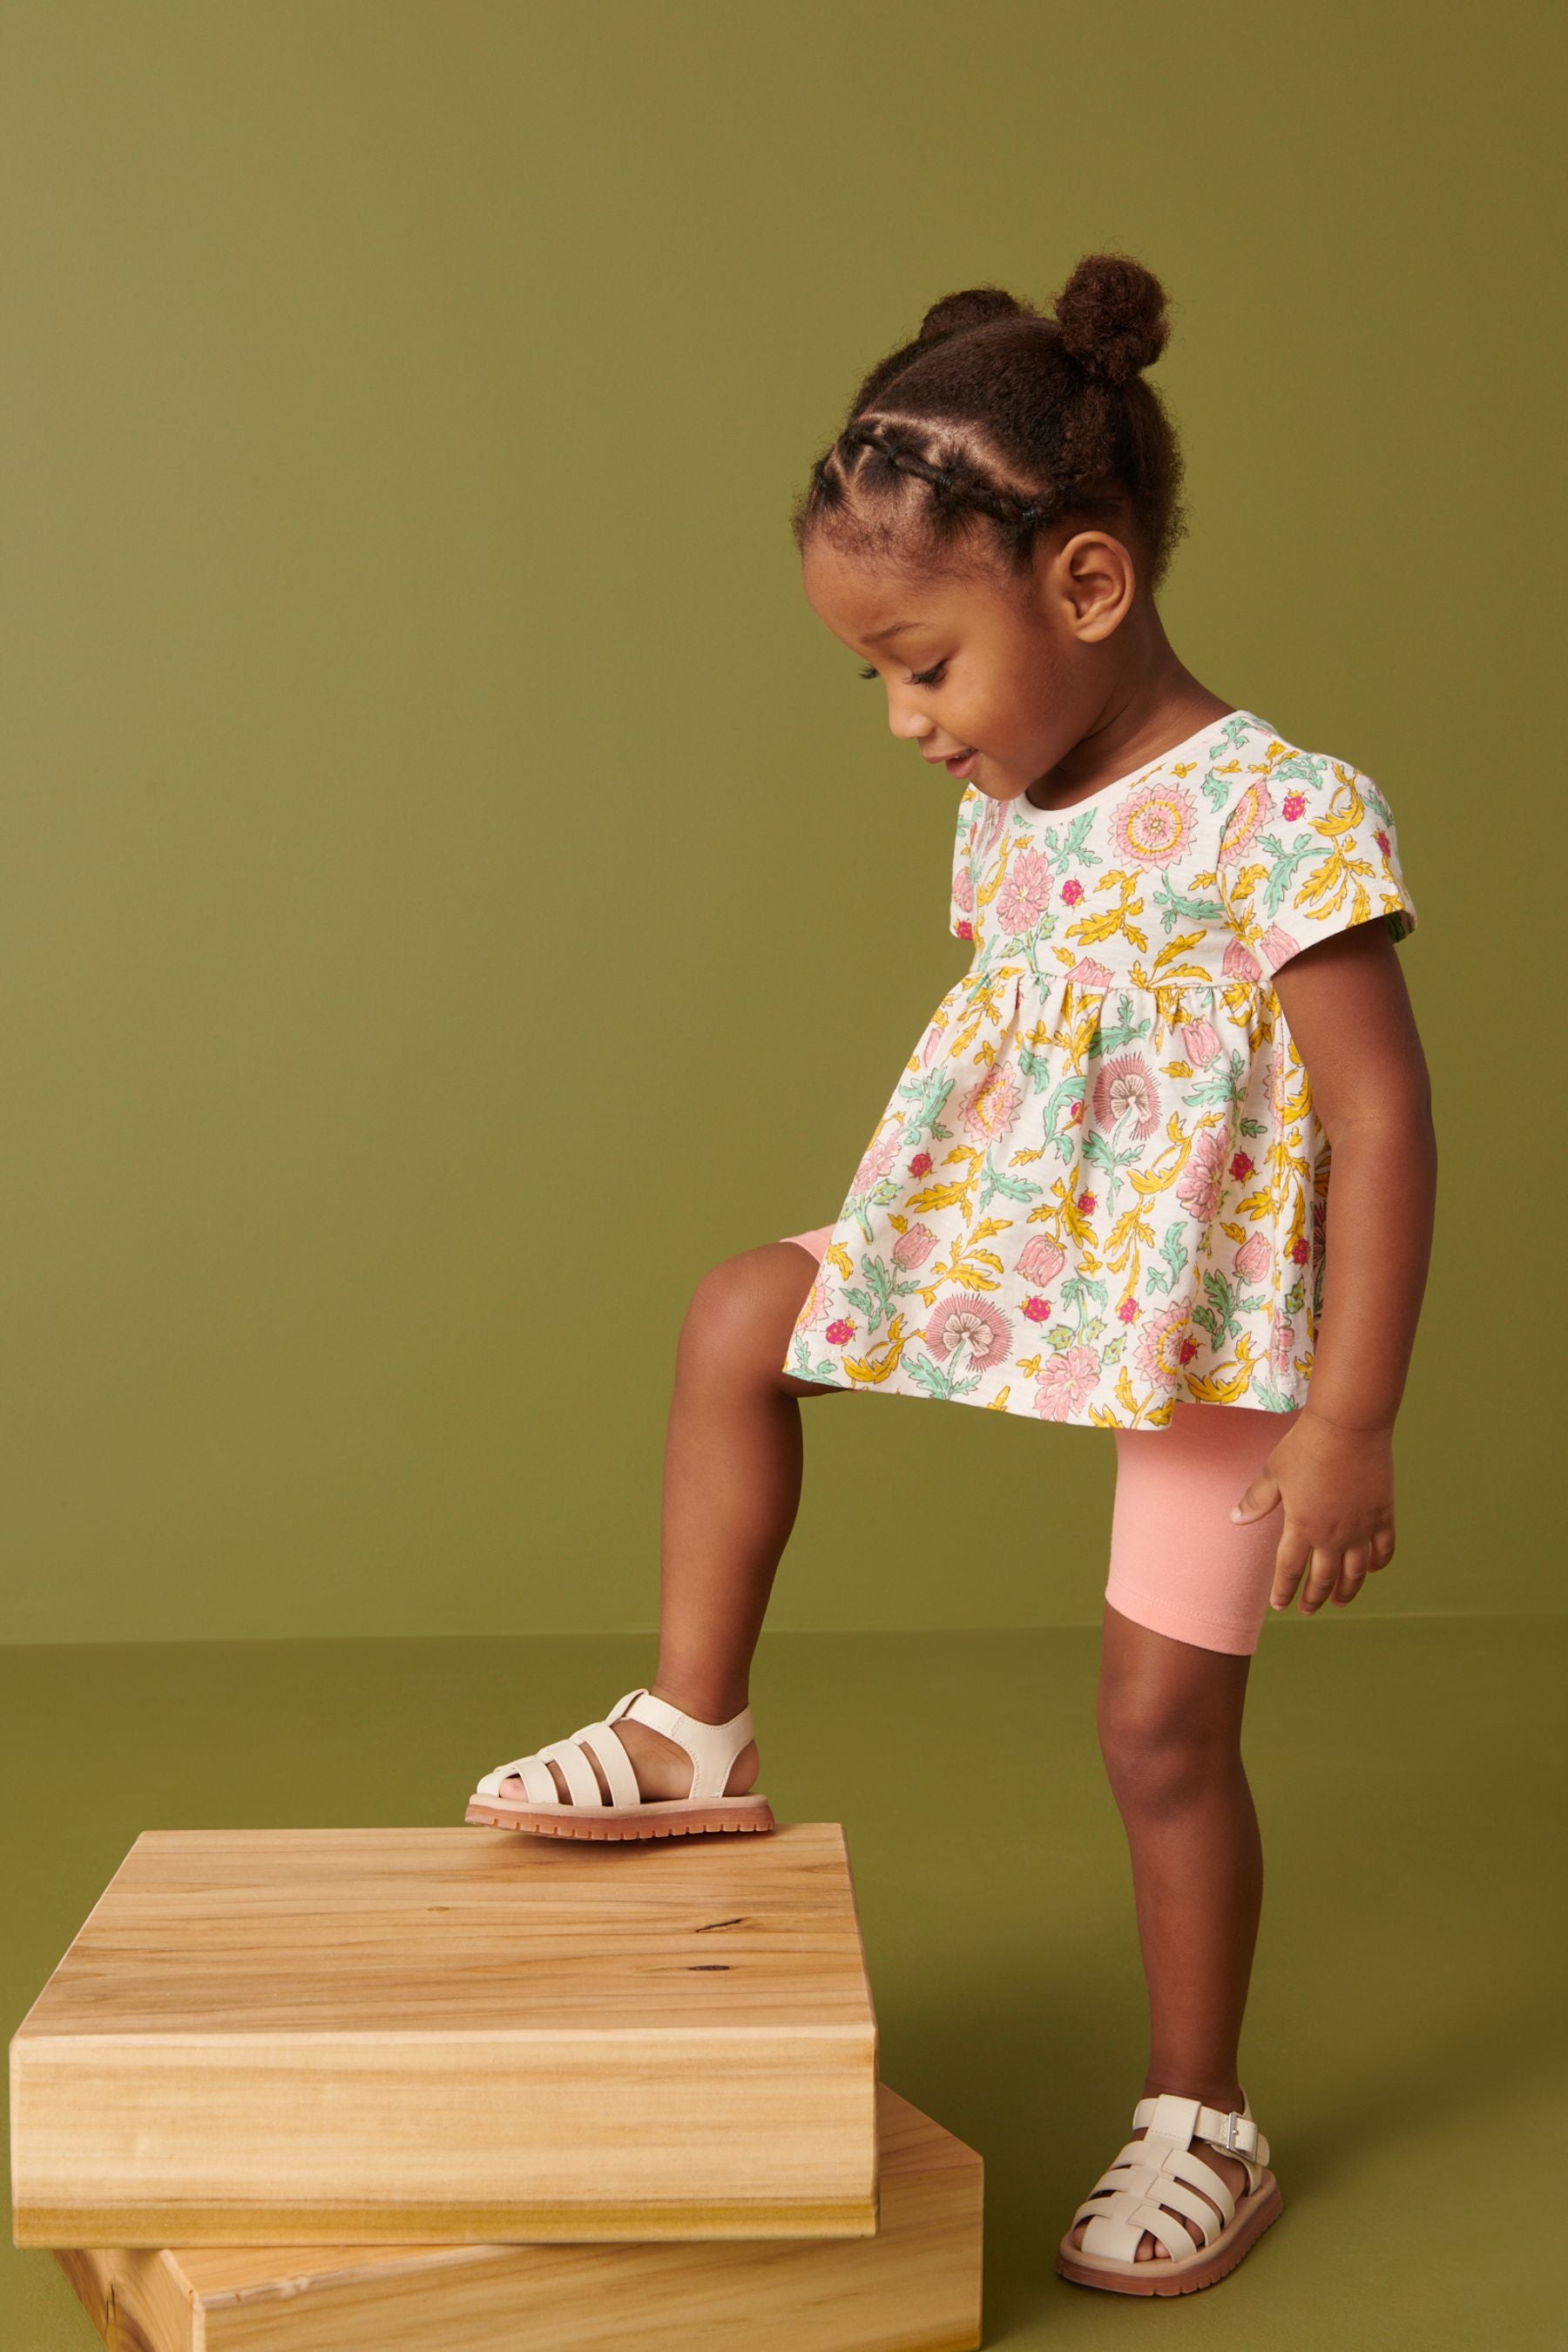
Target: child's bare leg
<point>1169,1719</point>
<point>732,1489</point>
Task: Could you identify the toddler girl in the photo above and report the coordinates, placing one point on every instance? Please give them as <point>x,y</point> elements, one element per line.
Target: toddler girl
<point>1099,1191</point>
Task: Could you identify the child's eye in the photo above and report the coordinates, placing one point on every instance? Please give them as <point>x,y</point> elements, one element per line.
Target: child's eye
<point>918,677</point>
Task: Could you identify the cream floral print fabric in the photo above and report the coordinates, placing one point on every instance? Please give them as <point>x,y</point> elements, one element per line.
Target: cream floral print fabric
<point>1101,1185</point>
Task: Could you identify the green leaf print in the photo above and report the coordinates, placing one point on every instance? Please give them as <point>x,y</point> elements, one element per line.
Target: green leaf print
<point>866,1306</point>
<point>1125,1031</point>
<point>885,1283</point>
<point>936,1379</point>
<point>928,1096</point>
<point>1175,1254</point>
<point>1282,873</point>
<point>826,1372</point>
<point>1219,1319</point>
<point>1072,849</point>
<point>996,1180</point>
<point>1069,1092</point>
<point>1176,908</point>
<point>1079,1289</point>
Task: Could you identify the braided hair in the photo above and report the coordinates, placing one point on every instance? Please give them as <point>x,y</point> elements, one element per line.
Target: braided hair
<point>1000,411</point>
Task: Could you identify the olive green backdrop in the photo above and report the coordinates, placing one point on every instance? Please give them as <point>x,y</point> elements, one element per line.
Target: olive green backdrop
<point>455,891</point>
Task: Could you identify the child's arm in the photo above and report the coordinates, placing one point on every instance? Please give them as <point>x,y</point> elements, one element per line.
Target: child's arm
<point>1346,1004</point>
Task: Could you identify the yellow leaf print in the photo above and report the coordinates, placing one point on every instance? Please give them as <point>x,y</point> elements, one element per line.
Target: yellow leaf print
<point>1092,928</point>
<point>870,1371</point>
<point>1228,1380</point>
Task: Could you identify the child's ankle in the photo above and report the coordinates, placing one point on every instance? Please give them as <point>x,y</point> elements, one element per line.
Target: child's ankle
<point>704,1705</point>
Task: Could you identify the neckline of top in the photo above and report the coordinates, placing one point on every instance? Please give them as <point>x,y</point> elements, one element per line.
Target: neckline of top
<point>1150,768</point>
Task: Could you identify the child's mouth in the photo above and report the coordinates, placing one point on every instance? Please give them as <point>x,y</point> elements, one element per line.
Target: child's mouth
<point>961,765</point>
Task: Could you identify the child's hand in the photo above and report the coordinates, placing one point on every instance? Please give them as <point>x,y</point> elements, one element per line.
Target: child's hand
<point>1337,1487</point>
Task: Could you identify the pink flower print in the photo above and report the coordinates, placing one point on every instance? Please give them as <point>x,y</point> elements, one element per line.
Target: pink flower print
<point>1127,1310</point>
<point>995,1104</point>
<point>968,1321</point>
<point>1202,1180</point>
<point>963,930</point>
<point>876,1162</point>
<point>1241,1166</point>
<point>1127,1084</point>
<point>1071,893</point>
<point>1036,1310</point>
<point>1039,1260</point>
<point>1239,962</point>
<point>989,830</point>
<point>921,1164</point>
<point>1155,826</point>
<point>815,1306</point>
<point>1026,893</point>
<point>1067,1382</point>
<point>1087,1204</point>
<point>964,889</point>
<point>1281,1342</point>
<point>1253,809</point>
<point>1300,1250</point>
<point>839,1334</point>
<point>1090,974</point>
<point>1252,1259</point>
<point>1200,1043</point>
<point>913,1248</point>
<point>1293,805</point>
<point>1159,1351</point>
<point>1382,840</point>
<point>1279,947</point>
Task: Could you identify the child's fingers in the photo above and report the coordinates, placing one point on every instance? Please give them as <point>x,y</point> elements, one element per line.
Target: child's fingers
<point>1323,1576</point>
<point>1258,1499</point>
<point>1353,1575</point>
<point>1290,1563</point>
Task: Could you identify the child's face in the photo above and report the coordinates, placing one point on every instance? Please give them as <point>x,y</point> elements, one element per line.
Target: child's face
<point>1017,678</point>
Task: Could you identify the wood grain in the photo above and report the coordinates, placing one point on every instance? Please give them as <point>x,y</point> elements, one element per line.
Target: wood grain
<point>272,2037</point>
<point>914,2287</point>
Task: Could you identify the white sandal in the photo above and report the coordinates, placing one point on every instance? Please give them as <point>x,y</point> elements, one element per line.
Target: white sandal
<point>584,1813</point>
<point>1153,2183</point>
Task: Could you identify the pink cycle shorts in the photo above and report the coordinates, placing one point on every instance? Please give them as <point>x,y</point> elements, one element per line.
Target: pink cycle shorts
<point>1179,1565</point>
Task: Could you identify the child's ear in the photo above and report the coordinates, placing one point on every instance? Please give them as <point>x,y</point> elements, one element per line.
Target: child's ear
<point>1095,582</point>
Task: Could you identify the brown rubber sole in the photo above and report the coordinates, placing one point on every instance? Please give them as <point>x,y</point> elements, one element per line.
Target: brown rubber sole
<point>1253,2216</point>
<point>616,1823</point>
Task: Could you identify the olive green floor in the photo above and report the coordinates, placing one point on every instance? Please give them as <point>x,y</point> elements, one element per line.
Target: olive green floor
<point>1404,2046</point>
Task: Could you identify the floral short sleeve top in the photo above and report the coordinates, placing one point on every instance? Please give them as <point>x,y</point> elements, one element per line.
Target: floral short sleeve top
<point>1099,1186</point>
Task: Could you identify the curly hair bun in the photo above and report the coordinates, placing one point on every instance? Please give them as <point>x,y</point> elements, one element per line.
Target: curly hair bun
<point>973,308</point>
<point>1112,316</point>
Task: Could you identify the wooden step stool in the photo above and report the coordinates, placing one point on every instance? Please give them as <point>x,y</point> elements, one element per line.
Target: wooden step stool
<point>460,2036</point>
<point>913,2287</point>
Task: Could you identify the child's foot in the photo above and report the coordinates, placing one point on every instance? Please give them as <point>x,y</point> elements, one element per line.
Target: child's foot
<point>663,1769</point>
<point>1230,2171</point>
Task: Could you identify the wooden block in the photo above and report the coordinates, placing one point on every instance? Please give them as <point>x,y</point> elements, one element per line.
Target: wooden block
<point>914,2287</point>
<point>309,2037</point>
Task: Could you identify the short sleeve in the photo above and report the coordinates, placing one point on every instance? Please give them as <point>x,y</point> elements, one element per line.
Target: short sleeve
<point>1308,851</point>
<point>961,909</point>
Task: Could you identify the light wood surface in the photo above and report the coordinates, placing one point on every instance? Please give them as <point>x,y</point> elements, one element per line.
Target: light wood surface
<point>269,2037</point>
<point>914,2287</point>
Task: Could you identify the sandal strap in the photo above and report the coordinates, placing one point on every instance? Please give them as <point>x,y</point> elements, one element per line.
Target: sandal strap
<point>1234,2134</point>
<point>712,1746</point>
